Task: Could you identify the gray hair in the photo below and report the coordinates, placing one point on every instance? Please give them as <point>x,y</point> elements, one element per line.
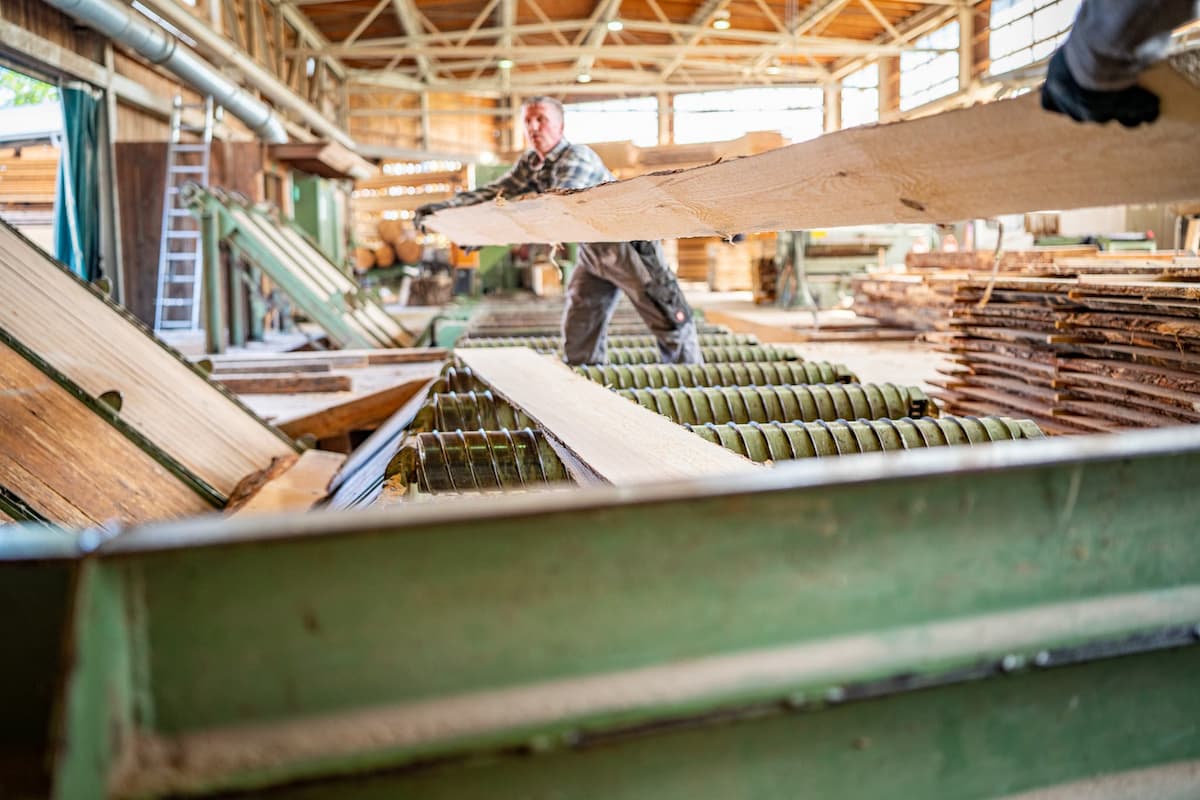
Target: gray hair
<point>543,100</point>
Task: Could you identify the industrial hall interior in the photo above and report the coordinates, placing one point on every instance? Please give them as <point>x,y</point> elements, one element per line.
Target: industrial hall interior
<point>599,399</point>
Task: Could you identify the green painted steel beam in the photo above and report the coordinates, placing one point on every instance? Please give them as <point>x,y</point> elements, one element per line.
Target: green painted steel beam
<point>361,625</point>
<point>752,638</point>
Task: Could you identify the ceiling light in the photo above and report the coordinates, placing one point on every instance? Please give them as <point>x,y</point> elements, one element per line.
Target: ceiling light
<point>505,63</point>
<point>616,25</point>
<point>721,20</point>
<point>584,78</point>
<point>773,70</point>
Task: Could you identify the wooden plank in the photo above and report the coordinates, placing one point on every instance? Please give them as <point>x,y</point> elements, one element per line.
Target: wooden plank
<point>360,480</point>
<point>621,442</point>
<point>357,414</point>
<point>101,349</point>
<point>327,159</point>
<point>922,170</point>
<point>71,465</point>
<point>298,486</point>
<point>287,383</point>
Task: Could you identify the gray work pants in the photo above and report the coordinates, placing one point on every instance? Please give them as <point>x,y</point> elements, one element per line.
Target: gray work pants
<point>1112,41</point>
<point>603,271</point>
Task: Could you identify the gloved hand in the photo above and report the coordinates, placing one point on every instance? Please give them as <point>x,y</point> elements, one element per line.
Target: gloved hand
<point>1063,94</point>
<point>424,212</point>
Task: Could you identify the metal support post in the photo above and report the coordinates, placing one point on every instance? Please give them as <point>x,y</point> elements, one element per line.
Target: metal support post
<point>237,299</point>
<point>258,306</point>
<point>214,341</point>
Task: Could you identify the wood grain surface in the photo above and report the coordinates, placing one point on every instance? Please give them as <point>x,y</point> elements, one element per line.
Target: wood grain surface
<point>71,465</point>
<point>86,339</point>
<point>999,158</point>
<point>621,442</point>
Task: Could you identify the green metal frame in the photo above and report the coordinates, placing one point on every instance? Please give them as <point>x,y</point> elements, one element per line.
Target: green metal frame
<point>330,312</point>
<point>752,638</point>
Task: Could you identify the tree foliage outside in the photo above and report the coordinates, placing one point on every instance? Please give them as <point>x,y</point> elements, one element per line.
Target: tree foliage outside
<point>21,90</point>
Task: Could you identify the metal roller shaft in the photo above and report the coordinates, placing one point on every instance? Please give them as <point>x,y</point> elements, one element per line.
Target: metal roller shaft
<point>649,355</point>
<point>468,411</point>
<point>777,441</point>
<point>749,373</point>
<point>472,461</point>
<point>550,344</point>
<point>457,379</point>
<point>533,328</point>
<point>804,403</point>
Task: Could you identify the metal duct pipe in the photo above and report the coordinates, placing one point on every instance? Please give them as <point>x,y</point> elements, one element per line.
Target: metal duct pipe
<point>125,26</point>
<point>262,79</point>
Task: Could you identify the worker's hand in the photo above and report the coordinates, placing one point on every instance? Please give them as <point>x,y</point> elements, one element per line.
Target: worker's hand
<point>1061,93</point>
<point>424,212</point>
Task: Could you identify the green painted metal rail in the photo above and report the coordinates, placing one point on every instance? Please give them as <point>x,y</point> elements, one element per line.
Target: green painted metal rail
<point>759,637</point>
<point>749,373</point>
<point>318,287</point>
<point>551,344</point>
<point>776,441</point>
<point>803,403</point>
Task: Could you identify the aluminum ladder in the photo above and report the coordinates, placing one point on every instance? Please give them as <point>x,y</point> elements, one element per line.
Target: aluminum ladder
<point>180,254</point>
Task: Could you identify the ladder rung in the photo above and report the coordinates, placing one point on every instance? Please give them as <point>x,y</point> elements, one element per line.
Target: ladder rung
<point>189,235</point>
<point>179,212</point>
<point>189,148</point>
<point>175,301</point>
<point>187,170</point>
<point>178,256</point>
<point>182,279</point>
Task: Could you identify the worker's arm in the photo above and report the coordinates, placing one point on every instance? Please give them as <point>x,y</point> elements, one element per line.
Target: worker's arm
<point>517,181</point>
<point>1093,77</point>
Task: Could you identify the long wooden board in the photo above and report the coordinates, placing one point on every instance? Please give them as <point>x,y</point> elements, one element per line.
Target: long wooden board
<point>97,347</point>
<point>68,464</point>
<point>999,158</point>
<point>621,442</point>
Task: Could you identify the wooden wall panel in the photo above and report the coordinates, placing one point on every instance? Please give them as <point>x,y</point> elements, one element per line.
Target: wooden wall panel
<point>50,23</point>
<point>448,133</point>
<point>141,177</point>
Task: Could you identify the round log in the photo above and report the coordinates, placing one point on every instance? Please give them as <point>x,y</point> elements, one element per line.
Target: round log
<point>408,251</point>
<point>385,256</point>
<point>364,259</point>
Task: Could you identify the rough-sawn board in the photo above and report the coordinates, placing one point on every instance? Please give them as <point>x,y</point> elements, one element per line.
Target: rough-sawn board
<point>999,158</point>
<point>621,442</point>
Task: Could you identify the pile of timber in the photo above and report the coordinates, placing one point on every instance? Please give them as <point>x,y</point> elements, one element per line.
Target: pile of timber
<point>396,247</point>
<point>1092,344</point>
<point>921,299</point>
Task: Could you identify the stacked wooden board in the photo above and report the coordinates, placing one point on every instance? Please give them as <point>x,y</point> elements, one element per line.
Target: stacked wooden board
<point>101,421</point>
<point>1091,344</point>
<point>910,300</point>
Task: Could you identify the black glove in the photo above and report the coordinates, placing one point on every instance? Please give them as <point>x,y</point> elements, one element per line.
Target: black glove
<point>1062,94</point>
<point>663,289</point>
<point>425,211</point>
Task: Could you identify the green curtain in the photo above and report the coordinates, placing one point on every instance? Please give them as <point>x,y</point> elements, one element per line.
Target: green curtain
<point>77,203</point>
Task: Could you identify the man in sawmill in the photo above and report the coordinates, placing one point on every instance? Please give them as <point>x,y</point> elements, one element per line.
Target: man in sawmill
<point>1093,76</point>
<point>604,269</point>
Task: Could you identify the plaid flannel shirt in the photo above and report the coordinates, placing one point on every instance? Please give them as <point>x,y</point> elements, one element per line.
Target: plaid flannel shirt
<point>567,166</point>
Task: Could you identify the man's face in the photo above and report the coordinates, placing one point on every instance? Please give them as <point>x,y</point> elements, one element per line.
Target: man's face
<point>543,127</point>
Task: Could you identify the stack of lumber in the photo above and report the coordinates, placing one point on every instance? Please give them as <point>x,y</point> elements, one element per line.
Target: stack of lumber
<point>921,299</point>
<point>1092,344</point>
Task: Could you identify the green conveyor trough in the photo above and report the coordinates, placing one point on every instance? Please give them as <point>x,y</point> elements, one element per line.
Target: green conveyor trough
<point>1015,620</point>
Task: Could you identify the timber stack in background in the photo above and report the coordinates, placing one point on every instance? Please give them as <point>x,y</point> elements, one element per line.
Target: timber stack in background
<point>1078,344</point>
